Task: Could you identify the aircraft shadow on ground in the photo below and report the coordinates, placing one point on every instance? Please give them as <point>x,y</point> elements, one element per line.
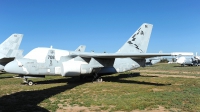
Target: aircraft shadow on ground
<point>29,100</point>
<point>152,65</point>
<point>5,77</point>
<point>2,73</point>
<point>184,66</point>
<point>64,80</point>
<point>120,79</point>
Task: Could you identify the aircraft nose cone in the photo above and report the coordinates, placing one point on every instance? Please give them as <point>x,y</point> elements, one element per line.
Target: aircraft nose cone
<point>10,66</point>
<point>13,67</point>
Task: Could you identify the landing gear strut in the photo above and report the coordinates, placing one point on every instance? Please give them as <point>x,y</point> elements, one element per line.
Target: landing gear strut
<point>26,77</point>
<point>97,78</point>
<point>94,78</point>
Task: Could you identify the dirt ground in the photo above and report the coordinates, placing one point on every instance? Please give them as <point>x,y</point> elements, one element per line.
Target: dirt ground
<point>94,109</point>
<point>152,73</point>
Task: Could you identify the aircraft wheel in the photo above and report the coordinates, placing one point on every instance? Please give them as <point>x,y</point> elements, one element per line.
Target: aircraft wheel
<point>99,79</point>
<point>30,82</point>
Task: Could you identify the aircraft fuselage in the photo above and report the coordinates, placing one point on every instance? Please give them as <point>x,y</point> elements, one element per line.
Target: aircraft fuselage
<point>47,61</point>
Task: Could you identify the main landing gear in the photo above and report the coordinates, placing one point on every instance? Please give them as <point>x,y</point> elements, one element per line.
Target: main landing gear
<point>94,78</point>
<point>97,78</point>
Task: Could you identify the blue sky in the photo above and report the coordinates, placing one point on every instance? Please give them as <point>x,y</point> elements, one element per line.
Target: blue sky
<point>101,25</point>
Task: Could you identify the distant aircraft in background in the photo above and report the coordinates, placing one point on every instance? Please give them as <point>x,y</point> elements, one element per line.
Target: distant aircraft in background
<point>81,48</point>
<point>153,60</point>
<point>189,61</point>
<point>197,57</point>
<point>176,55</point>
<point>9,49</point>
<point>49,61</point>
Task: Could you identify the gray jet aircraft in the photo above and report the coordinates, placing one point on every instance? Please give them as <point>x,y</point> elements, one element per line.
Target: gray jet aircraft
<point>9,49</point>
<point>152,61</point>
<point>49,61</point>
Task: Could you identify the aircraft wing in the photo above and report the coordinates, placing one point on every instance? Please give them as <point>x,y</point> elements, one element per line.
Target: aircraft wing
<point>119,55</point>
<point>6,60</point>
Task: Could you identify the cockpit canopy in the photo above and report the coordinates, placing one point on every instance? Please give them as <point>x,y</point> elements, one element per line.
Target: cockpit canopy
<point>40,54</point>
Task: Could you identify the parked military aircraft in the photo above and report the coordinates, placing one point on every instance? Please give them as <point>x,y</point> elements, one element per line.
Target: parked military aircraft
<point>152,61</point>
<point>189,60</point>
<point>81,48</point>
<point>9,49</point>
<point>49,61</point>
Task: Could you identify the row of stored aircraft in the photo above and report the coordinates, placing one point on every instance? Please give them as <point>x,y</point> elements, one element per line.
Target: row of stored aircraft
<point>187,59</point>
<point>42,61</point>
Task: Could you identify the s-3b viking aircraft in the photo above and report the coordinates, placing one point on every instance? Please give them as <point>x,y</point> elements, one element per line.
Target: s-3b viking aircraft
<point>9,49</point>
<point>49,61</point>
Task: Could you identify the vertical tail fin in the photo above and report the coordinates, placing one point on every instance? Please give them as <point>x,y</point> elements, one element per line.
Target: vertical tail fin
<point>81,48</point>
<point>15,53</point>
<point>139,41</point>
<point>11,45</point>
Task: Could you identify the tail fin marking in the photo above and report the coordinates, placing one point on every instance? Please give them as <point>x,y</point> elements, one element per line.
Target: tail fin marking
<point>139,41</point>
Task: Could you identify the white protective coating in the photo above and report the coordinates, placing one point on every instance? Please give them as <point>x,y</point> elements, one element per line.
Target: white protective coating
<point>40,54</point>
<point>72,67</point>
<point>181,60</point>
<point>59,53</point>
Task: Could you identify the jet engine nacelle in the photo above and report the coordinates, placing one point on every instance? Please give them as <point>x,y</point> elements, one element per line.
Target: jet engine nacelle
<point>70,69</point>
<point>75,69</point>
<point>86,69</point>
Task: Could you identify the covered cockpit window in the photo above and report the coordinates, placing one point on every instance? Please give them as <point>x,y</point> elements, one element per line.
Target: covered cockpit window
<point>38,54</point>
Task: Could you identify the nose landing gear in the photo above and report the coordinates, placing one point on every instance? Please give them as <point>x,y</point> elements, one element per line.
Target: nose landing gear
<point>29,82</point>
